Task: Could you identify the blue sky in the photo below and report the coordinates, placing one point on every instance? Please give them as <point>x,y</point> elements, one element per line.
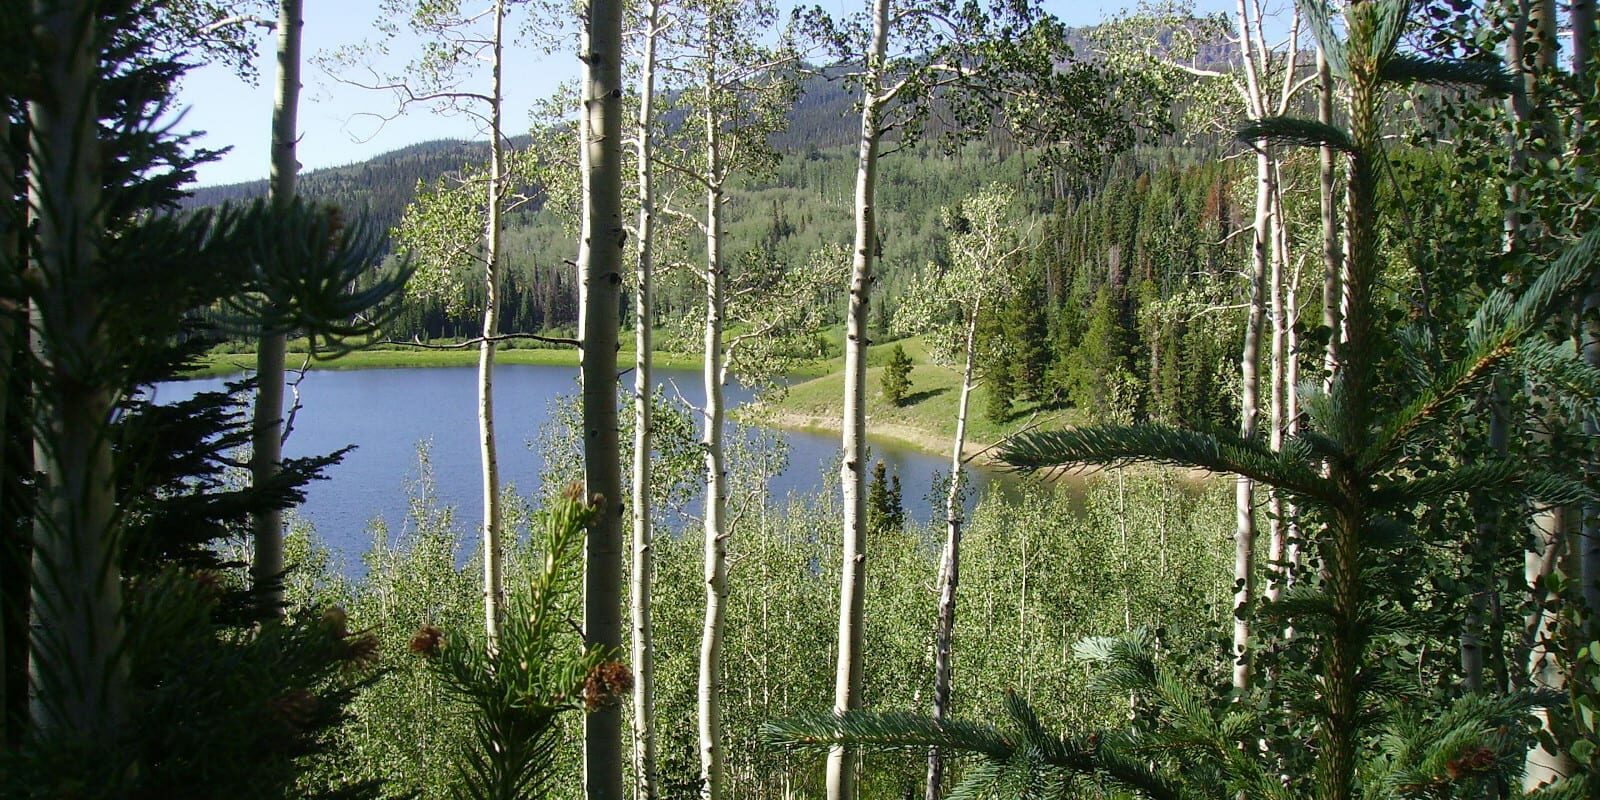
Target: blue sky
<point>336,122</point>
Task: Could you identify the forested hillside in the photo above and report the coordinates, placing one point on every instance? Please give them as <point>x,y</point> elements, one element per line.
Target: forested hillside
<point>1112,229</point>
<point>1272,338</point>
<point>382,185</point>
<point>379,187</point>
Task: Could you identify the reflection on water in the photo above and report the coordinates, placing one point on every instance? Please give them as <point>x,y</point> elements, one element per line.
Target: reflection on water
<point>386,413</point>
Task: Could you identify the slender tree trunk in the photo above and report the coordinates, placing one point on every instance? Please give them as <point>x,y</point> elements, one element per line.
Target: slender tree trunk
<point>1548,526</point>
<point>584,136</point>
<point>841,778</point>
<point>644,730</point>
<point>709,702</point>
<point>1291,406</point>
<point>1497,402</point>
<point>1244,535</point>
<point>1487,530</point>
<point>600,266</point>
<point>1546,671</point>
<point>79,668</point>
<point>493,568</point>
<point>1279,386</point>
<point>1341,549</point>
<point>266,455</point>
<point>950,562</point>
<point>1332,254</point>
<point>1022,617</point>
<point>1122,548</point>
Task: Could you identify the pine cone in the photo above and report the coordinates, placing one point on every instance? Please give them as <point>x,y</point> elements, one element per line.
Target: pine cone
<point>607,684</point>
<point>427,641</point>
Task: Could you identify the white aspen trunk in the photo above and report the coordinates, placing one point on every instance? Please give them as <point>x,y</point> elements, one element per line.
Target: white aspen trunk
<point>1291,405</point>
<point>950,562</point>
<point>841,778</point>
<point>644,731</point>
<point>1484,604</point>
<point>493,577</point>
<point>1472,634</point>
<point>1332,254</point>
<point>1546,672</point>
<point>1122,545</point>
<point>767,635</point>
<point>1278,386</point>
<point>266,454</point>
<point>1022,618</point>
<point>600,266</point>
<point>78,670</point>
<point>1244,535</point>
<point>1548,526</point>
<point>709,703</point>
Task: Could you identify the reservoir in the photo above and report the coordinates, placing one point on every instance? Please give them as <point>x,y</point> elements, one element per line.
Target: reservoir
<point>390,415</point>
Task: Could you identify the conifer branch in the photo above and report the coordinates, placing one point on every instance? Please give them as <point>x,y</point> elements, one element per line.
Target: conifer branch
<point>1121,445</point>
<point>1408,69</point>
<point>1296,131</point>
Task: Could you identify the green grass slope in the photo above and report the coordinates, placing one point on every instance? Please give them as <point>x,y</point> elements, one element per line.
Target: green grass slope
<point>927,418</point>
<point>217,364</point>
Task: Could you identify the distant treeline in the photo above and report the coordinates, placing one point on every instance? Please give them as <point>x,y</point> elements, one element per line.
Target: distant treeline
<point>1099,317</point>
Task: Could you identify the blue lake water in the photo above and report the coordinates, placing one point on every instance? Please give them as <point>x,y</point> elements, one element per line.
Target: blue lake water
<point>387,413</point>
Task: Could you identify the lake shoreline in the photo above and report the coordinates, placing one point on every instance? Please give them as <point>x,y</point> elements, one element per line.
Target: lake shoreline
<point>385,413</point>
<point>930,442</point>
<point>776,414</point>
<point>906,435</point>
<point>220,365</point>
<point>980,454</point>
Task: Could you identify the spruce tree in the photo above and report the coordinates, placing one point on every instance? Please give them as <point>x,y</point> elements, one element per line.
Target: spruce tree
<point>1001,393</point>
<point>266,447</point>
<point>1025,323</point>
<point>879,507</point>
<point>896,378</point>
<point>136,629</point>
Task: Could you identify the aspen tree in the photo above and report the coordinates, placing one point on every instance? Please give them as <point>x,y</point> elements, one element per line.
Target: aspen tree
<point>906,52</point>
<point>600,275</point>
<point>644,731</point>
<point>1263,86</point>
<point>1261,102</point>
<point>709,703</point>
<point>735,96</point>
<point>1535,28</point>
<point>266,446</point>
<point>848,671</point>
<point>462,38</point>
<point>948,305</point>
<point>1332,253</point>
